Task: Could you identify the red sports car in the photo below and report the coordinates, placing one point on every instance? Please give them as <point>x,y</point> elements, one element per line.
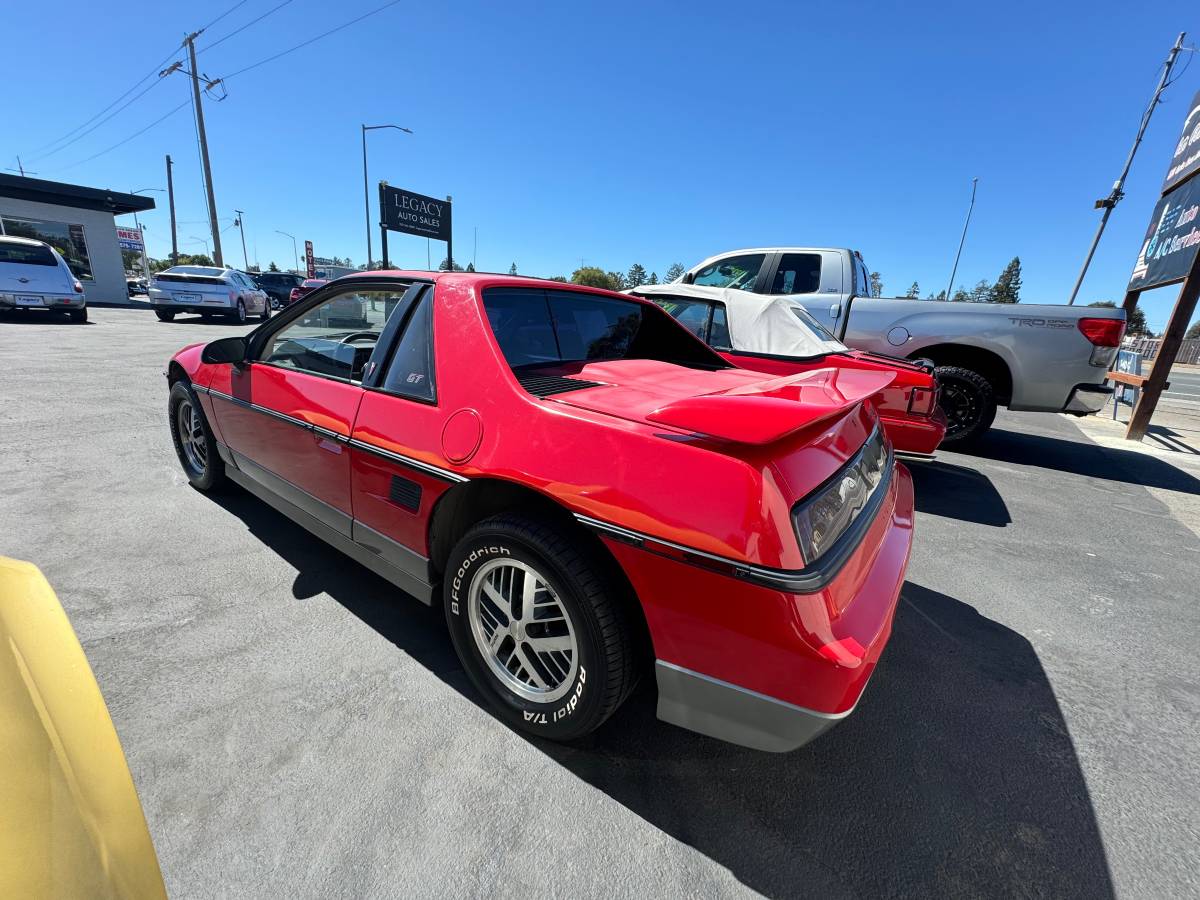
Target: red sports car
<point>775,335</point>
<point>304,288</point>
<point>586,487</point>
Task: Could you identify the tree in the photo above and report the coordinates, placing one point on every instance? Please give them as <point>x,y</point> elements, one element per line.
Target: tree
<point>561,278</point>
<point>184,259</point>
<point>470,267</point>
<point>982,292</point>
<point>1193,333</point>
<point>960,296</point>
<point>512,270</point>
<point>653,279</point>
<point>444,265</point>
<point>272,267</point>
<point>941,295</point>
<point>594,276</point>
<point>914,292</point>
<point>876,285</point>
<point>636,276</point>
<point>617,280</point>
<point>1007,288</point>
<point>1136,320</point>
<point>674,273</point>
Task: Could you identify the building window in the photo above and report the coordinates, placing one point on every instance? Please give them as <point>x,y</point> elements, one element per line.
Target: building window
<point>66,238</point>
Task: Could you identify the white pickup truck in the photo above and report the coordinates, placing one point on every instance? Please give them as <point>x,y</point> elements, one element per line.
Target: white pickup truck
<point>1025,357</point>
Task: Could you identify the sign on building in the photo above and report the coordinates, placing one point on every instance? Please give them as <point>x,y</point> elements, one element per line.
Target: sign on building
<point>410,213</point>
<point>1186,161</point>
<point>309,262</point>
<point>130,239</point>
<point>1171,240</point>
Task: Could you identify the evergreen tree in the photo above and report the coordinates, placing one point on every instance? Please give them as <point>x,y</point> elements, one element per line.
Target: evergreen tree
<point>562,278</point>
<point>616,281</point>
<point>982,292</point>
<point>674,273</point>
<point>512,270</point>
<point>272,267</point>
<point>960,296</point>
<point>653,279</point>
<point>636,276</point>
<point>1193,333</point>
<point>914,292</point>
<point>876,285</point>
<point>470,267</point>
<point>1007,288</point>
<point>444,265</point>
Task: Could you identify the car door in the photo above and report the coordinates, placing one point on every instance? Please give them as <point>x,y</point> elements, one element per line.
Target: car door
<point>289,410</point>
<point>814,280</point>
<point>400,442</point>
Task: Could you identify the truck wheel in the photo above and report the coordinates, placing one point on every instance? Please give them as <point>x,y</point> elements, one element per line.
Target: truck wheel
<point>165,315</point>
<point>193,439</point>
<point>969,402</point>
<point>538,626</point>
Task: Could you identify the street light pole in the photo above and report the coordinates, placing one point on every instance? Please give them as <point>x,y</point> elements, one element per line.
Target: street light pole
<point>200,240</point>
<point>295,252</point>
<point>242,230</point>
<point>366,188</point>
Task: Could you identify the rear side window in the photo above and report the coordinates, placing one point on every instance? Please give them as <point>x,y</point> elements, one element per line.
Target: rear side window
<point>26,254</point>
<point>691,314</point>
<point>548,328</point>
<point>718,335</point>
<point>798,273</point>
<point>410,373</point>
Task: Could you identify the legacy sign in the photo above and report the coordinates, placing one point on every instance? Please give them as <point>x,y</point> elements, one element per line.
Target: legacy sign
<point>1171,241</point>
<point>414,213</point>
<point>1186,161</point>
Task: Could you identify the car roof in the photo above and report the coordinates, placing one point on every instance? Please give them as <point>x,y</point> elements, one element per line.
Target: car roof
<point>28,242</point>
<point>489,279</point>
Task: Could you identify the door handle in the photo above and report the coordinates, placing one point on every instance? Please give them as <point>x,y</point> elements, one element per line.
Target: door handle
<point>835,310</point>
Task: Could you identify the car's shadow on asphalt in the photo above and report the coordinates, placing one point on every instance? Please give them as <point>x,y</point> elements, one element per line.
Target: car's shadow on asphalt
<point>956,775</point>
<point>1080,457</point>
<point>956,492</point>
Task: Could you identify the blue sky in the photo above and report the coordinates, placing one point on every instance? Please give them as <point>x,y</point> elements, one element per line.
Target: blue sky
<point>634,132</point>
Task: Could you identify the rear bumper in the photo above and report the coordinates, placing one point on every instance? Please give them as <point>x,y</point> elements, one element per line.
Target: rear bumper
<point>1087,398</point>
<point>49,301</point>
<point>918,435</point>
<point>769,669</point>
<point>222,309</point>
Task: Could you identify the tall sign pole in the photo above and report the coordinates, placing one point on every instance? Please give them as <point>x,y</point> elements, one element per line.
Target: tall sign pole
<point>189,41</point>
<point>171,203</point>
<point>963,239</point>
<point>1109,203</point>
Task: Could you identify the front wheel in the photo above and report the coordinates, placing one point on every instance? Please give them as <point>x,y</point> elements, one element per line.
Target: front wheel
<point>539,627</point>
<point>969,401</point>
<point>239,314</point>
<point>165,315</point>
<point>193,439</point>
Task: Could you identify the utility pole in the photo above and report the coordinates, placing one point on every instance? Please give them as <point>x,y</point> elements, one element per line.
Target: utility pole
<point>1118,189</point>
<point>242,229</point>
<point>189,41</point>
<point>963,239</point>
<point>171,203</point>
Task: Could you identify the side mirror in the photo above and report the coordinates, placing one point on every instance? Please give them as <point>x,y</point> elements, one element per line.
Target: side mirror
<point>226,350</point>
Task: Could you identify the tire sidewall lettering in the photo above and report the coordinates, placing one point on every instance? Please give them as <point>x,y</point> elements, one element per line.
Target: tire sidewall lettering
<point>461,579</point>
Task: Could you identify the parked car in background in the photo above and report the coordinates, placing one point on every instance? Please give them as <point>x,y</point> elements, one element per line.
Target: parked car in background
<point>278,286</point>
<point>208,290</point>
<point>1024,356</point>
<point>72,822</point>
<point>136,286</point>
<point>776,335</point>
<point>34,276</point>
<point>306,287</point>
<point>588,490</point>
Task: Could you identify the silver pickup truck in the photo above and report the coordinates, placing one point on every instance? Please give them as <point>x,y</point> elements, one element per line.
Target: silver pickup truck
<point>1025,357</point>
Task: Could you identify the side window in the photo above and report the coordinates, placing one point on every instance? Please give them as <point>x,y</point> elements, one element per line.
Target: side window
<point>691,314</point>
<point>718,334</point>
<point>732,272</point>
<point>798,273</point>
<point>334,339</point>
<point>411,371</point>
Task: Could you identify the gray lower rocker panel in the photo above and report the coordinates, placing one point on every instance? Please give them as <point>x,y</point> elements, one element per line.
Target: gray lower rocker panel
<point>731,713</point>
<point>407,582</point>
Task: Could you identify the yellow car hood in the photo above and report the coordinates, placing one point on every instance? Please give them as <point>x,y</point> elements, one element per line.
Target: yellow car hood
<point>70,821</point>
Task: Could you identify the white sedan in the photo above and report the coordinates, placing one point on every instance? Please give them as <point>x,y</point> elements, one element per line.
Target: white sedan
<point>208,290</point>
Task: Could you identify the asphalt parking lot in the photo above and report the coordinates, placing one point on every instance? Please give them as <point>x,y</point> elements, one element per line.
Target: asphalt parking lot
<point>297,728</point>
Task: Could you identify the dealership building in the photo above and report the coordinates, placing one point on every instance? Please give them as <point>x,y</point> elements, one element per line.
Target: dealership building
<point>78,222</point>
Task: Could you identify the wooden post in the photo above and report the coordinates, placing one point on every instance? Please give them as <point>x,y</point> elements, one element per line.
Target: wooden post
<point>1156,381</point>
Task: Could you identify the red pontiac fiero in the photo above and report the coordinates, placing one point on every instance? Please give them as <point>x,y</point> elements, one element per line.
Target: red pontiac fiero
<point>585,486</point>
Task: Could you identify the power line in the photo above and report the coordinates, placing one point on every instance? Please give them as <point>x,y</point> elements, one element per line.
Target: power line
<point>223,15</point>
<point>312,40</point>
<point>242,28</point>
<point>126,140</point>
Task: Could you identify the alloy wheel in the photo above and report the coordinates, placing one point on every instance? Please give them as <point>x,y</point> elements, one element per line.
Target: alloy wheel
<point>961,406</point>
<point>522,630</point>
<point>191,437</point>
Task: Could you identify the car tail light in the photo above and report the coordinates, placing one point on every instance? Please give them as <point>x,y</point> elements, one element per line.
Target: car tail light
<point>922,401</point>
<point>78,288</point>
<point>233,296</point>
<point>1103,332</point>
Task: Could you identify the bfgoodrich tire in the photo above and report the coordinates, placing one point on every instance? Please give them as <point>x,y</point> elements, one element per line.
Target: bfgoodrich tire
<point>539,627</point>
<point>193,439</point>
<point>969,402</point>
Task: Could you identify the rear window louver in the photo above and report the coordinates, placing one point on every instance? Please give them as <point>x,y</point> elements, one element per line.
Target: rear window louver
<point>545,385</point>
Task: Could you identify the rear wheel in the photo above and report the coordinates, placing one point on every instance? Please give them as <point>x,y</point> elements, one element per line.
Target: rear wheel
<point>78,316</point>
<point>539,627</point>
<point>165,315</point>
<point>969,402</point>
<point>193,439</point>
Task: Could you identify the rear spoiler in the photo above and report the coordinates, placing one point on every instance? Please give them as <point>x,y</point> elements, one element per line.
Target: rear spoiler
<point>767,411</point>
